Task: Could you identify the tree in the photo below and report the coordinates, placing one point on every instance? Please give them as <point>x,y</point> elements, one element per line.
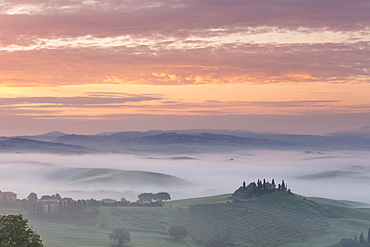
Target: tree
<point>361,237</point>
<point>146,197</point>
<point>14,232</point>
<point>245,193</point>
<point>120,235</point>
<point>283,188</point>
<point>178,232</point>
<point>32,197</point>
<point>162,196</point>
<point>124,202</point>
<point>368,236</point>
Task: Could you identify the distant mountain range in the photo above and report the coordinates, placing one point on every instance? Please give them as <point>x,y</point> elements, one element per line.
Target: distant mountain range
<point>184,141</point>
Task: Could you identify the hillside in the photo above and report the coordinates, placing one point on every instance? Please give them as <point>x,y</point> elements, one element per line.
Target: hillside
<point>277,219</point>
<point>110,177</point>
<point>80,179</point>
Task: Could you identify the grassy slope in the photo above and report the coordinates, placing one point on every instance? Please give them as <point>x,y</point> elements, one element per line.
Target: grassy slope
<point>279,219</point>
<point>202,200</point>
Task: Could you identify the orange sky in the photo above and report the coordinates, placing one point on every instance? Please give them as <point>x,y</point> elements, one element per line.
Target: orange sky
<point>93,66</point>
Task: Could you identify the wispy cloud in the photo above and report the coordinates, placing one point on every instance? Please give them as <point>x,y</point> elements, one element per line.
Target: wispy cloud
<point>237,63</point>
<point>95,100</point>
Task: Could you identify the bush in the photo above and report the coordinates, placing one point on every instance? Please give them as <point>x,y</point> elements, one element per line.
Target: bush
<point>178,232</point>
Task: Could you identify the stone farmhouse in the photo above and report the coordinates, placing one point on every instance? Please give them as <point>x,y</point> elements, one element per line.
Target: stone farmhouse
<point>8,195</point>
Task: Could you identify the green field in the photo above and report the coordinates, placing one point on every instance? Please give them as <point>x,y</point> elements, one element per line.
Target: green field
<point>278,219</point>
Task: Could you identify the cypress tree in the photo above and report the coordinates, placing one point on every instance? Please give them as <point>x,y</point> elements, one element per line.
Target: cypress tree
<point>60,206</point>
<point>283,185</point>
<point>368,236</point>
<point>361,237</point>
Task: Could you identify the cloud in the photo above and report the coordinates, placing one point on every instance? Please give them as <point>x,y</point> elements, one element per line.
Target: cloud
<point>97,104</point>
<point>97,100</point>
<point>179,18</point>
<point>228,63</point>
<point>71,42</point>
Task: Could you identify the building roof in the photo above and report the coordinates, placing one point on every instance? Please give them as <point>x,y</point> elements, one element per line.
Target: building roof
<point>8,193</point>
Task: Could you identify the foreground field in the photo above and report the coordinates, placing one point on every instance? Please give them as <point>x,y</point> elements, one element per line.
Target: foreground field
<point>279,219</point>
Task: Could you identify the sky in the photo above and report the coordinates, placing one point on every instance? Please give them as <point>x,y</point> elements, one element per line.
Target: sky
<point>89,66</point>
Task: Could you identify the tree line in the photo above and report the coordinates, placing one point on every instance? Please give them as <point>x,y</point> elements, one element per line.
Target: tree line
<point>56,205</point>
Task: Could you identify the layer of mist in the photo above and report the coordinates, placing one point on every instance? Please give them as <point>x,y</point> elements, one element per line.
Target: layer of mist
<point>336,175</point>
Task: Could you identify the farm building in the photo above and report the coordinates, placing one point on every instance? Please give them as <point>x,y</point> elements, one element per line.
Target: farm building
<point>8,195</point>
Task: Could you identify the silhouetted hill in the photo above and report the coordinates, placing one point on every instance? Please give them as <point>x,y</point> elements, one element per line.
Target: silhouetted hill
<point>363,132</point>
<point>22,145</point>
<point>50,136</point>
<point>196,141</point>
<point>114,177</point>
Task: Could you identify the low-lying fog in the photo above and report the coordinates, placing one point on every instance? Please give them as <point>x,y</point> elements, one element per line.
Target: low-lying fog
<point>338,175</point>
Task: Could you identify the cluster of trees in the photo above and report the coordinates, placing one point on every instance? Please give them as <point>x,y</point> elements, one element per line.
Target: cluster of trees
<point>258,189</point>
<point>356,242</point>
<point>64,206</point>
<point>15,232</point>
<point>150,197</point>
<point>58,206</point>
<point>144,200</point>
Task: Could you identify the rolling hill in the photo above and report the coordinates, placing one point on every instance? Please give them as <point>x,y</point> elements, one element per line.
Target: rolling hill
<point>278,219</point>
<point>22,145</point>
<point>104,176</point>
<point>185,141</point>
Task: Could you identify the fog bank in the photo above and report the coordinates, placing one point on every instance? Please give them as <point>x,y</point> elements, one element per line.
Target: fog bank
<point>337,175</point>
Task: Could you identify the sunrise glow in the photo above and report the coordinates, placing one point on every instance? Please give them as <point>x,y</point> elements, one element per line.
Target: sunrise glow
<point>120,64</point>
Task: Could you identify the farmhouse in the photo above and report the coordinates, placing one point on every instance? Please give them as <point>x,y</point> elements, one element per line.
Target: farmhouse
<point>8,196</point>
<point>269,186</point>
